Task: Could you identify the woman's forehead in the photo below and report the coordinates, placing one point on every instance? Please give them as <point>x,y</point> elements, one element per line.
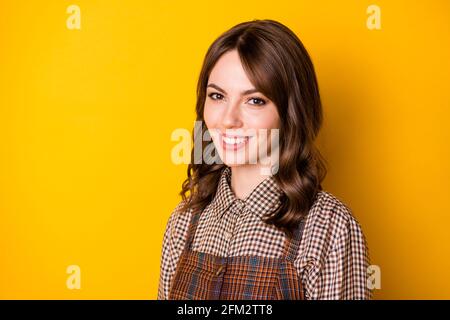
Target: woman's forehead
<point>229,74</point>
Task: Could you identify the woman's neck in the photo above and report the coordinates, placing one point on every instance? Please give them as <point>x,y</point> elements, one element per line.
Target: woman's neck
<point>245,178</point>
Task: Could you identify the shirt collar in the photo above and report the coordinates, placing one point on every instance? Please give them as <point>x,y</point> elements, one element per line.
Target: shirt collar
<point>263,199</point>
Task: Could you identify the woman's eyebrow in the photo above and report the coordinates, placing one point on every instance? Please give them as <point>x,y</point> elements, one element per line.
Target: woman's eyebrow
<point>215,86</point>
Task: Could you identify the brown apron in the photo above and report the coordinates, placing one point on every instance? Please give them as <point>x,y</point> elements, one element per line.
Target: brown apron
<point>202,276</point>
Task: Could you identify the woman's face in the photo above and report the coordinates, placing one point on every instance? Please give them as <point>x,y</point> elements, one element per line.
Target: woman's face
<point>239,118</point>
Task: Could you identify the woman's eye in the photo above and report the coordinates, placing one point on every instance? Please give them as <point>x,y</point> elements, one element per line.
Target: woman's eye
<point>257,101</point>
<point>215,96</point>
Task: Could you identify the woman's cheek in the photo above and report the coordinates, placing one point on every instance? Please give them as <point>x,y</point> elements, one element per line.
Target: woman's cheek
<point>211,117</point>
<point>206,116</point>
<point>262,119</point>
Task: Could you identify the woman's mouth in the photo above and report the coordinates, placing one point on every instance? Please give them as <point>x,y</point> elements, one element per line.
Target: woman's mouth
<point>230,142</point>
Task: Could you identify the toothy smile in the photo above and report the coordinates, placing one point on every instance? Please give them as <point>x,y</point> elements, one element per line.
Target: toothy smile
<point>230,142</point>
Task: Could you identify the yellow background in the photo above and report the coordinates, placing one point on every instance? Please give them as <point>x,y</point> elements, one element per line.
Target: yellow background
<point>86,117</point>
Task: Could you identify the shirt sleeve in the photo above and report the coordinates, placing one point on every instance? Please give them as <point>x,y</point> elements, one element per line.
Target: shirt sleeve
<point>343,275</point>
<point>351,256</point>
<point>172,247</point>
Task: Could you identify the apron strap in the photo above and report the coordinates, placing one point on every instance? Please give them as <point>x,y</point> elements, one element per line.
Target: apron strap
<point>191,230</point>
<point>292,244</point>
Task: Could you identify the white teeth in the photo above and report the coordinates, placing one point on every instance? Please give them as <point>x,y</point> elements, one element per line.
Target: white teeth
<point>229,140</point>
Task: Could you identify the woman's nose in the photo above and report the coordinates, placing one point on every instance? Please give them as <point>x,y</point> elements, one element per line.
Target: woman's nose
<point>232,117</point>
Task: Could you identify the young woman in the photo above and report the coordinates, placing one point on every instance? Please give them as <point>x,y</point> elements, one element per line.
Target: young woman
<point>247,227</point>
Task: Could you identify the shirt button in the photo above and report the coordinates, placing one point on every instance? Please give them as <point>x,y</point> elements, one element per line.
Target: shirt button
<point>219,270</point>
<point>239,203</point>
<point>228,235</point>
<point>237,206</point>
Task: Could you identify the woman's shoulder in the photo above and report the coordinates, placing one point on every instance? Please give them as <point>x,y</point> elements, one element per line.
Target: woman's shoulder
<point>179,219</point>
<point>332,212</point>
<point>328,203</point>
<point>180,209</point>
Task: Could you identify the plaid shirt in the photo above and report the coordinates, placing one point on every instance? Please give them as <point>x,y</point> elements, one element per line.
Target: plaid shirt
<point>332,259</point>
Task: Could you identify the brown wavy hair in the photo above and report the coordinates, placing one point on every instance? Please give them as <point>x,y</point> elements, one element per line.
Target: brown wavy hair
<point>279,66</point>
